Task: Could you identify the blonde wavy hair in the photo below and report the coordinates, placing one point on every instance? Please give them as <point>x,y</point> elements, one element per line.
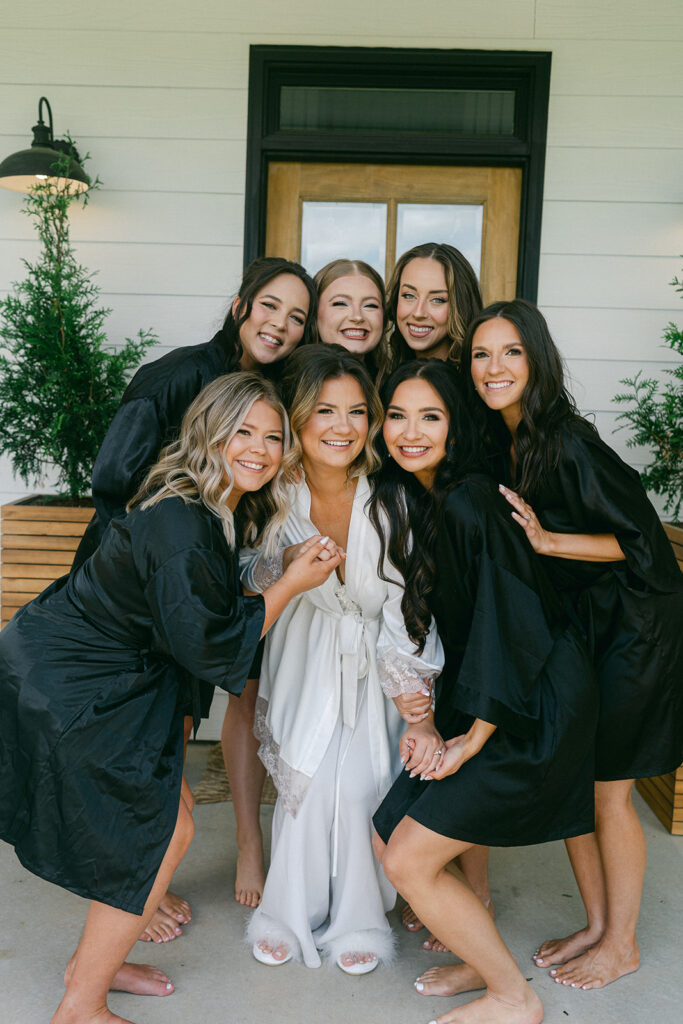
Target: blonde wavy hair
<point>193,467</point>
<point>305,373</point>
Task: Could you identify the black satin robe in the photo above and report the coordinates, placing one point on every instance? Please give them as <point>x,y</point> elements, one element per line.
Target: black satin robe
<point>91,677</point>
<point>632,609</point>
<point>149,417</point>
<point>514,658</point>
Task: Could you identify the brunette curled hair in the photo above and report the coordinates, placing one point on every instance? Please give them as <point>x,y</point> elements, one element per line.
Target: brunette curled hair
<point>405,515</point>
<point>257,275</point>
<point>464,297</point>
<point>305,373</point>
<point>546,403</point>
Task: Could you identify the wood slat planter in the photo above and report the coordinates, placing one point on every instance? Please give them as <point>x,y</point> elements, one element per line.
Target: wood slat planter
<point>38,546</point>
<point>664,793</point>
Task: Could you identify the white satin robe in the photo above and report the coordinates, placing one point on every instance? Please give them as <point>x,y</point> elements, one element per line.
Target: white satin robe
<point>329,737</point>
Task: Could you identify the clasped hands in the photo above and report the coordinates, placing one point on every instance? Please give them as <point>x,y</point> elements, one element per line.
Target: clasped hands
<point>329,550</point>
<point>425,753</point>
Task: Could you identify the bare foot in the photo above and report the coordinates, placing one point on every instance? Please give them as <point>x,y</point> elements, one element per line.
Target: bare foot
<point>73,1015</point>
<point>450,980</point>
<point>490,1009</point>
<point>140,979</point>
<point>600,966</point>
<point>250,876</point>
<point>176,907</point>
<point>559,951</point>
<point>162,928</point>
<point>410,920</point>
<point>434,945</point>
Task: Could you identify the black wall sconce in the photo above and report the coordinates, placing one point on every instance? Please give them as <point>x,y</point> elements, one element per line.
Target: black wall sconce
<point>21,171</point>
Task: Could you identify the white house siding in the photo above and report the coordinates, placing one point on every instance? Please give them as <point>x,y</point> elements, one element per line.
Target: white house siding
<point>157,92</point>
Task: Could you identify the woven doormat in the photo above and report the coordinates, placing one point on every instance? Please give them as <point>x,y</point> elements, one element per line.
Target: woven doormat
<point>214,787</point>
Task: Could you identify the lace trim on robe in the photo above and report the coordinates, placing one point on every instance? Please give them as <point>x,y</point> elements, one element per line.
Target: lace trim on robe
<point>291,785</point>
<point>267,571</point>
<point>398,675</point>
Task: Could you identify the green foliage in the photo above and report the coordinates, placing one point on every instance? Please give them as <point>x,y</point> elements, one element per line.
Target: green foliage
<point>657,420</point>
<point>60,384</point>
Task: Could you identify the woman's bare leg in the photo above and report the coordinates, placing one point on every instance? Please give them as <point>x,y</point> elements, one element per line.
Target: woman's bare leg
<point>415,861</point>
<point>108,937</point>
<point>624,854</point>
<point>452,979</point>
<point>173,910</point>
<point>246,776</point>
<point>586,862</point>
<point>474,865</point>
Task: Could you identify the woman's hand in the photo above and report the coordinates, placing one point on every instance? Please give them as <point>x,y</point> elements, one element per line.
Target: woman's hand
<point>583,547</point>
<point>294,550</point>
<point>455,753</point>
<point>539,538</point>
<point>421,748</point>
<point>313,564</point>
<point>461,749</point>
<point>414,707</point>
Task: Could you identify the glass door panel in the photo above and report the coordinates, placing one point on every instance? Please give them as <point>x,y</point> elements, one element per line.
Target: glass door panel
<point>321,211</point>
<point>461,226</point>
<point>332,230</point>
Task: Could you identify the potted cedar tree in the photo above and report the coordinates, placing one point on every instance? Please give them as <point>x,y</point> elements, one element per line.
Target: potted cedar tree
<point>656,420</point>
<point>60,385</point>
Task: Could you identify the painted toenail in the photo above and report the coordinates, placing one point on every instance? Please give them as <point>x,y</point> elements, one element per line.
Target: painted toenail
<point>169,987</point>
<point>419,986</point>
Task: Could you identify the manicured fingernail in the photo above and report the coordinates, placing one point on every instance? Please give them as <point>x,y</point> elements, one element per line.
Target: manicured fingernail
<point>324,540</point>
<point>501,488</point>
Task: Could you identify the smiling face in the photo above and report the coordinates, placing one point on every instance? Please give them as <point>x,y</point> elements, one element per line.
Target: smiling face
<point>335,433</point>
<point>276,323</point>
<point>422,309</point>
<point>255,452</point>
<point>416,429</point>
<point>350,314</point>
<point>500,369</point>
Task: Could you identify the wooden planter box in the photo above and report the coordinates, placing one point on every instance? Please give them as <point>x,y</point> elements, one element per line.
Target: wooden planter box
<point>38,546</point>
<point>664,794</point>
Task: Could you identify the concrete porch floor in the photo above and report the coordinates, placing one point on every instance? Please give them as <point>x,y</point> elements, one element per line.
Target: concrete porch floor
<point>218,981</point>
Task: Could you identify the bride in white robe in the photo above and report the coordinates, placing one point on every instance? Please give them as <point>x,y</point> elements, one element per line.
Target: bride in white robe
<point>328,728</point>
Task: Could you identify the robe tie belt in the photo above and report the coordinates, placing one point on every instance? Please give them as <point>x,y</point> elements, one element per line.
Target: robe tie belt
<point>354,653</point>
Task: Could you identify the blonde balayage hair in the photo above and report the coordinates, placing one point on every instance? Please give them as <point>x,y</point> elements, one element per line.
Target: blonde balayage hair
<point>193,467</point>
<point>305,373</point>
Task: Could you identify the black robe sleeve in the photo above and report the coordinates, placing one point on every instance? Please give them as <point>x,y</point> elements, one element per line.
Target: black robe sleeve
<point>492,618</point>
<point>201,621</point>
<point>596,492</point>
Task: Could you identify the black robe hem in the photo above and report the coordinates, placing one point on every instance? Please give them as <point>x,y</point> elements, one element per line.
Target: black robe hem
<point>487,840</point>
<point>638,773</point>
<point>130,908</point>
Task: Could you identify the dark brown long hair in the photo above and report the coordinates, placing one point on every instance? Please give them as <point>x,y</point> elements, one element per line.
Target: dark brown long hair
<point>464,298</point>
<point>546,403</point>
<point>405,515</point>
<point>256,276</point>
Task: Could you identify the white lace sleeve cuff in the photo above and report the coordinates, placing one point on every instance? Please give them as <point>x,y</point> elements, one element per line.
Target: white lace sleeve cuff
<point>266,571</point>
<point>398,674</point>
<point>259,572</point>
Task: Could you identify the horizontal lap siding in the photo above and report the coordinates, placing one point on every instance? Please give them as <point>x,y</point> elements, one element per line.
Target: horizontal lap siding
<point>157,93</point>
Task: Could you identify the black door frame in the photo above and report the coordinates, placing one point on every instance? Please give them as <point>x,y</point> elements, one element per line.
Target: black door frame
<point>525,72</point>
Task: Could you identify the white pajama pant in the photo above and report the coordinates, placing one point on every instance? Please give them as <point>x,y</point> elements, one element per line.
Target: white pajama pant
<point>304,905</point>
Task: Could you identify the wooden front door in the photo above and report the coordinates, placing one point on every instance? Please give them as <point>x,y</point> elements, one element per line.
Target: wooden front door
<point>317,212</point>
